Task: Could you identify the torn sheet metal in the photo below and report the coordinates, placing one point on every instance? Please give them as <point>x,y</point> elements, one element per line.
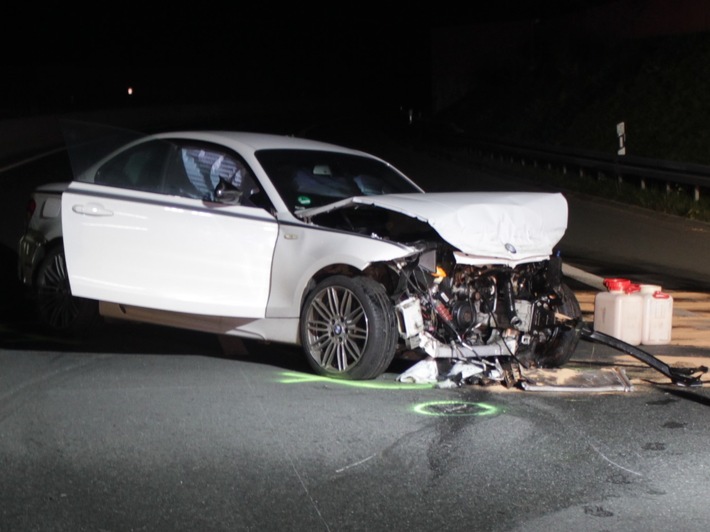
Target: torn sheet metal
<point>469,371</point>
<point>423,372</point>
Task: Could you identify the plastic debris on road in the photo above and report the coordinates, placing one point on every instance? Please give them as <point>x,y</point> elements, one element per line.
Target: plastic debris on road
<point>423,372</point>
<point>426,371</point>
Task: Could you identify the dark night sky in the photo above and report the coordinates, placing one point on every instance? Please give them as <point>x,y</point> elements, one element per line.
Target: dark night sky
<point>199,50</point>
<point>102,32</point>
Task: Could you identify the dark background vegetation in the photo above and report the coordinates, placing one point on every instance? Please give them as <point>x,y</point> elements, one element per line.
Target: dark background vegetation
<point>574,97</point>
<point>576,91</point>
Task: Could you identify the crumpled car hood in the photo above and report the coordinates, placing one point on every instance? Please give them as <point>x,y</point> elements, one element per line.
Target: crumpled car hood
<point>510,227</point>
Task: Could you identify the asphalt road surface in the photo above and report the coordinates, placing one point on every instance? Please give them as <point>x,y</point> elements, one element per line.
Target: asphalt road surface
<point>146,428</point>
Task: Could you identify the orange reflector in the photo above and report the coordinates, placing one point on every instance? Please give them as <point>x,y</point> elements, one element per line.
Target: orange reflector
<point>439,273</point>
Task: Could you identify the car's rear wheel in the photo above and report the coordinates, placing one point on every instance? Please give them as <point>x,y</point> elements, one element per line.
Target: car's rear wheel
<point>348,328</point>
<point>58,310</point>
<point>560,348</point>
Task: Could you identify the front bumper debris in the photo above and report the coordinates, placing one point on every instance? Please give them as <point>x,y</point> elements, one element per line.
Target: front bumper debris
<point>507,370</point>
<point>678,376</point>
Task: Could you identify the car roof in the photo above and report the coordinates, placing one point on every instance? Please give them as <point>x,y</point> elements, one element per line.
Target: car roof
<point>249,141</point>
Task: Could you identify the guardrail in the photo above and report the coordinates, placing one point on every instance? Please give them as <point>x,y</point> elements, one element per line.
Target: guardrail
<point>622,167</point>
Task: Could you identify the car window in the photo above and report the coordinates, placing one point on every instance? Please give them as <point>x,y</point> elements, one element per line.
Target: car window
<point>311,178</point>
<point>181,169</point>
<point>139,168</point>
<point>205,168</point>
<point>201,169</point>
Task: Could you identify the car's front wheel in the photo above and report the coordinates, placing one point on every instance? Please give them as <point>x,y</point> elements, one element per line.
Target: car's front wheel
<point>348,328</point>
<point>562,345</point>
<point>57,309</point>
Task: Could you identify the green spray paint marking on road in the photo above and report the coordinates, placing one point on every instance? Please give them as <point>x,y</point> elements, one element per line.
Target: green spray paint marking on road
<point>456,408</point>
<point>430,408</point>
<point>292,377</point>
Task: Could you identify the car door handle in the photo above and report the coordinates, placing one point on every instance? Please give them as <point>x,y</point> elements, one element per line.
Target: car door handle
<point>92,209</point>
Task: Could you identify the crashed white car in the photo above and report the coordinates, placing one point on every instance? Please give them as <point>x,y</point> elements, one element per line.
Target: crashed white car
<point>301,242</point>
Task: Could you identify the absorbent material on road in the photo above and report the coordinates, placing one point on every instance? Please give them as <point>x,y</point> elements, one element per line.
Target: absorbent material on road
<point>569,380</point>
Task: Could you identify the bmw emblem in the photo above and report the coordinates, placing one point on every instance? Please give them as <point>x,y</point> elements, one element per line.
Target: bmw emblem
<point>511,248</point>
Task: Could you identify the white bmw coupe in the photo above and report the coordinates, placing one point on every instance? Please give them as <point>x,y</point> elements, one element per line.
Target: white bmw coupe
<point>301,242</point>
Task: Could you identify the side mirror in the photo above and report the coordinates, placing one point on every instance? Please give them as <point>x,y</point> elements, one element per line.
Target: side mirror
<point>227,194</point>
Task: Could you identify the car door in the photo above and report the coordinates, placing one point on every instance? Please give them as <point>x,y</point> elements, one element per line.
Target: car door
<point>145,230</point>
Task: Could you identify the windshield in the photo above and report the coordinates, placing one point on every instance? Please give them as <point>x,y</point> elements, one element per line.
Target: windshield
<point>310,178</point>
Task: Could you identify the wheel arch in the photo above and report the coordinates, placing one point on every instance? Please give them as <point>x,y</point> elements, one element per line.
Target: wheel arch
<point>57,309</point>
<point>42,252</point>
<point>378,271</point>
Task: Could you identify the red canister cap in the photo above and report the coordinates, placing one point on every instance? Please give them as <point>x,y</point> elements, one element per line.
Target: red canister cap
<point>615,284</point>
<point>632,287</point>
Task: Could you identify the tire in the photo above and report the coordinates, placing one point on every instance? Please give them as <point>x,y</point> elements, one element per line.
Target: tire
<point>348,328</point>
<point>560,348</point>
<point>58,311</point>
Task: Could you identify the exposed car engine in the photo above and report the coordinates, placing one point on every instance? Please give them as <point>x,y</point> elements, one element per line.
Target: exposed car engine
<point>451,307</point>
<point>466,312</point>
